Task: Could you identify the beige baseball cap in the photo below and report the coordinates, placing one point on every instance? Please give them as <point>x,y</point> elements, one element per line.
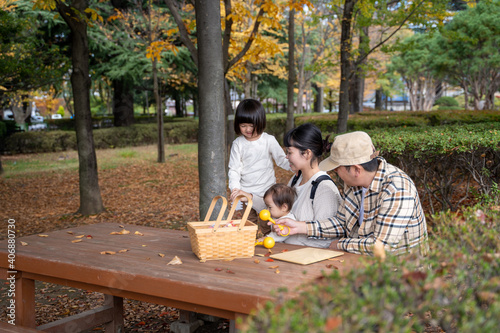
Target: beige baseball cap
<point>349,149</point>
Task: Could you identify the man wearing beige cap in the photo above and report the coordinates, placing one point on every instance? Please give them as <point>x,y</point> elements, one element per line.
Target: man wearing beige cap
<point>381,203</point>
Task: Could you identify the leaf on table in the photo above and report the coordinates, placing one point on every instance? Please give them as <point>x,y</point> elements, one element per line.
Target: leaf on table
<point>138,233</point>
<point>161,255</point>
<point>24,243</point>
<point>80,236</point>
<point>76,241</point>
<point>217,269</point>
<point>123,232</point>
<point>121,226</point>
<point>257,261</point>
<point>89,236</point>
<point>331,266</point>
<point>269,260</point>
<point>175,261</point>
<point>277,271</point>
<point>108,252</point>
<point>70,232</point>
<point>43,235</point>
<point>230,271</point>
<point>123,251</point>
<point>143,245</point>
<point>273,267</point>
<point>285,250</point>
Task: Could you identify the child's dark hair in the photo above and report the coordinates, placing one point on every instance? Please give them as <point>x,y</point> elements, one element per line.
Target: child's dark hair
<point>307,136</point>
<point>250,111</point>
<point>282,195</point>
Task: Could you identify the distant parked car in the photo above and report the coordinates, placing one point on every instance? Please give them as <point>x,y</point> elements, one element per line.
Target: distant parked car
<point>56,116</point>
<point>8,115</point>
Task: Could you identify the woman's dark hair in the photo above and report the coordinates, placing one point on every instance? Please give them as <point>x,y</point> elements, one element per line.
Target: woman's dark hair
<point>250,111</point>
<point>306,136</point>
<point>282,195</point>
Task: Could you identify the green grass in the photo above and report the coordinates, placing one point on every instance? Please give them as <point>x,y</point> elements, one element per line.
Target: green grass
<point>28,165</point>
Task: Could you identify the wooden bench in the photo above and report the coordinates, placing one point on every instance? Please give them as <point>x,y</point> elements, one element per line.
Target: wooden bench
<point>9,328</point>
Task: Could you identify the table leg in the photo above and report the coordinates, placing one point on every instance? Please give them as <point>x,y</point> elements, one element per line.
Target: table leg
<point>24,301</point>
<point>116,325</point>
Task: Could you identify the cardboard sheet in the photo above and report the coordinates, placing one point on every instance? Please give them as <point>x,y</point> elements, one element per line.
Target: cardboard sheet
<point>307,255</point>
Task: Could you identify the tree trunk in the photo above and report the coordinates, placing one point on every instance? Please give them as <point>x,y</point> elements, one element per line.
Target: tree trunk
<point>159,115</point>
<point>318,102</point>
<point>345,65</point>
<point>378,99</point>
<point>90,194</point>
<point>211,144</point>
<point>290,124</point>
<point>123,104</point>
<point>357,83</point>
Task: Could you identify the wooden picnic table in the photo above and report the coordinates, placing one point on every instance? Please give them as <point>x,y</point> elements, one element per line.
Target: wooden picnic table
<point>227,289</point>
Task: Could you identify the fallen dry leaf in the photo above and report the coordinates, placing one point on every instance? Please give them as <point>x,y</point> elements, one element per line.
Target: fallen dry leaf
<point>43,235</point>
<point>257,261</point>
<point>24,243</point>
<point>108,252</point>
<point>123,251</point>
<point>175,261</point>
<point>273,267</point>
<point>229,271</point>
<point>70,232</point>
<point>143,245</point>
<point>277,271</point>
<point>80,236</point>
<point>76,241</point>
<point>89,236</point>
<point>138,233</point>
<point>123,232</point>
<point>161,255</point>
<point>269,260</point>
<point>218,269</point>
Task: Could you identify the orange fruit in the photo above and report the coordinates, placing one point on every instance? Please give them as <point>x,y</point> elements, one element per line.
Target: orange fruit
<point>269,242</point>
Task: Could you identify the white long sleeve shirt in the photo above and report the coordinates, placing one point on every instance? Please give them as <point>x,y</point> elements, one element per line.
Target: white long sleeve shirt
<point>251,167</point>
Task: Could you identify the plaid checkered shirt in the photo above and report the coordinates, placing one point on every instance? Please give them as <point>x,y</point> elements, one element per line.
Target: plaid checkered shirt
<point>392,214</point>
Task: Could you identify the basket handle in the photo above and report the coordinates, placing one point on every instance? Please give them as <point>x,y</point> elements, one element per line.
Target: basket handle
<point>221,212</point>
<point>245,214</point>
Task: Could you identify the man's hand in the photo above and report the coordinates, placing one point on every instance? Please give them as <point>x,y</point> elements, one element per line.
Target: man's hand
<point>296,227</point>
<point>333,245</point>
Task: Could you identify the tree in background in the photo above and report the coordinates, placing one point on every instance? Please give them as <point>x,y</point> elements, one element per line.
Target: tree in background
<point>468,51</point>
<point>31,56</point>
<point>77,14</point>
<point>417,66</point>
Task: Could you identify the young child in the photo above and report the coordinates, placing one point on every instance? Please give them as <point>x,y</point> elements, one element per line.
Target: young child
<point>279,200</point>
<point>251,168</point>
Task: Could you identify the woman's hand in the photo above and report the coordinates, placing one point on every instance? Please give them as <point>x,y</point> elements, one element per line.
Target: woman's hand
<point>296,227</point>
<point>236,192</point>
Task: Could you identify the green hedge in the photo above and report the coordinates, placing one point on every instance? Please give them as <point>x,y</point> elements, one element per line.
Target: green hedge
<point>136,135</point>
<point>456,288</point>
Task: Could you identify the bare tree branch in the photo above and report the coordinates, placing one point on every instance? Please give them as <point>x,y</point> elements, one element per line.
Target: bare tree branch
<point>183,31</point>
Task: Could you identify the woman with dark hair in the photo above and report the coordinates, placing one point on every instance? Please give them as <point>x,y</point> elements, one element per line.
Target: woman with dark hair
<point>317,196</point>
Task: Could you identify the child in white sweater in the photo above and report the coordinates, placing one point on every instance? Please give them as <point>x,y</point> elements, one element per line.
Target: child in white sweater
<point>251,167</point>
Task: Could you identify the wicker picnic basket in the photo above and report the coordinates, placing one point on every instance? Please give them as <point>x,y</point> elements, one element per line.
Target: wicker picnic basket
<point>223,239</point>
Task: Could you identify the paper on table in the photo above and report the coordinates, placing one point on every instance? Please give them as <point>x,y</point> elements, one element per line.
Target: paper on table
<point>306,255</point>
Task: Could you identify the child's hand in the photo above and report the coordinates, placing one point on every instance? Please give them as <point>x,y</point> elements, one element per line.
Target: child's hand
<point>236,192</point>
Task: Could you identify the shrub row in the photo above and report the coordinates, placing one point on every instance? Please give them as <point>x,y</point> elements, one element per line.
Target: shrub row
<point>456,288</point>
<point>136,135</point>
<point>445,160</point>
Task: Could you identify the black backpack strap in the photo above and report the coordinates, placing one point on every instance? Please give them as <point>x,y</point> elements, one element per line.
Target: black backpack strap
<point>315,184</point>
<point>296,178</point>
